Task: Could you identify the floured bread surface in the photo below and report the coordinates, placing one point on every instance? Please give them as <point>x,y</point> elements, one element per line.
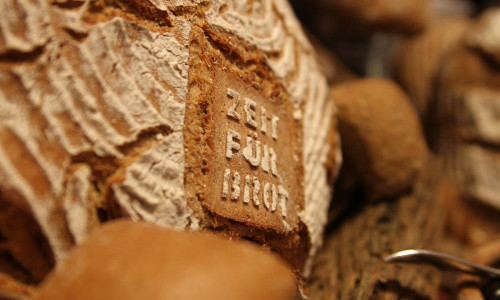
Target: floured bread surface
<point>187,114</point>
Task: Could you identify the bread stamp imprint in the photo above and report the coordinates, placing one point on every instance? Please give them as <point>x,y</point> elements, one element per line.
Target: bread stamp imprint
<point>258,181</point>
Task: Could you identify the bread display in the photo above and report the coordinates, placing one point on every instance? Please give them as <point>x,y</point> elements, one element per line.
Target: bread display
<point>466,134</point>
<point>467,119</point>
<point>198,149</point>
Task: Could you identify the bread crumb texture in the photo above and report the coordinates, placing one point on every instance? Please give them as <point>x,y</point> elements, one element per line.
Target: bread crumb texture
<point>115,109</point>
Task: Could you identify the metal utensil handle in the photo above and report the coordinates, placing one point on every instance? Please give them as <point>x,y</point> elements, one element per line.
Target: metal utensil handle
<point>443,261</point>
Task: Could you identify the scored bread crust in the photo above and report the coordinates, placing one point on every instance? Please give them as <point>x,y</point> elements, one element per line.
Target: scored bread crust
<point>96,121</point>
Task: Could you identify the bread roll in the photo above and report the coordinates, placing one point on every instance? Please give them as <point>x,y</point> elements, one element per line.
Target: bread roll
<point>196,115</point>
<point>381,136</point>
<point>126,260</point>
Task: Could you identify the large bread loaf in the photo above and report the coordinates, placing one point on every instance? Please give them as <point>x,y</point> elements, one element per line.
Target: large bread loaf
<point>187,114</point>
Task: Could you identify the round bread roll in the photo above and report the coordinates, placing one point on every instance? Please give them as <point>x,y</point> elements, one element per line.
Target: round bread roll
<point>199,115</point>
<point>126,260</point>
<point>381,136</point>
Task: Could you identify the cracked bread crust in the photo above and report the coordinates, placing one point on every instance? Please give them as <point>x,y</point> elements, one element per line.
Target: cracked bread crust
<point>106,121</point>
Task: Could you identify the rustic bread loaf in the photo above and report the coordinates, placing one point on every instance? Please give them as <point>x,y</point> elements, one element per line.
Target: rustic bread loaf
<point>135,260</point>
<point>199,115</point>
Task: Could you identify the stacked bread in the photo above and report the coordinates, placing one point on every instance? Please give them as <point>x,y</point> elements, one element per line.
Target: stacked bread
<point>455,89</point>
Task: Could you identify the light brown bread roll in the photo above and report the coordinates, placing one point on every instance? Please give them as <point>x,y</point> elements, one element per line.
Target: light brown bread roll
<point>200,115</point>
<point>127,260</point>
<point>381,136</point>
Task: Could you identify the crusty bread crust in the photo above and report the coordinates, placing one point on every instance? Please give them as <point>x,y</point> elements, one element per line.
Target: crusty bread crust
<point>106,121</point>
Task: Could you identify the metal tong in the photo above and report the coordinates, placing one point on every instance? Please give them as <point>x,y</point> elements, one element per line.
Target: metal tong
<point>443,262</point>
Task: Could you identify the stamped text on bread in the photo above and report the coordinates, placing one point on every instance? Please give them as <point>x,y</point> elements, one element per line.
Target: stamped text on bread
<point>254,152</point>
